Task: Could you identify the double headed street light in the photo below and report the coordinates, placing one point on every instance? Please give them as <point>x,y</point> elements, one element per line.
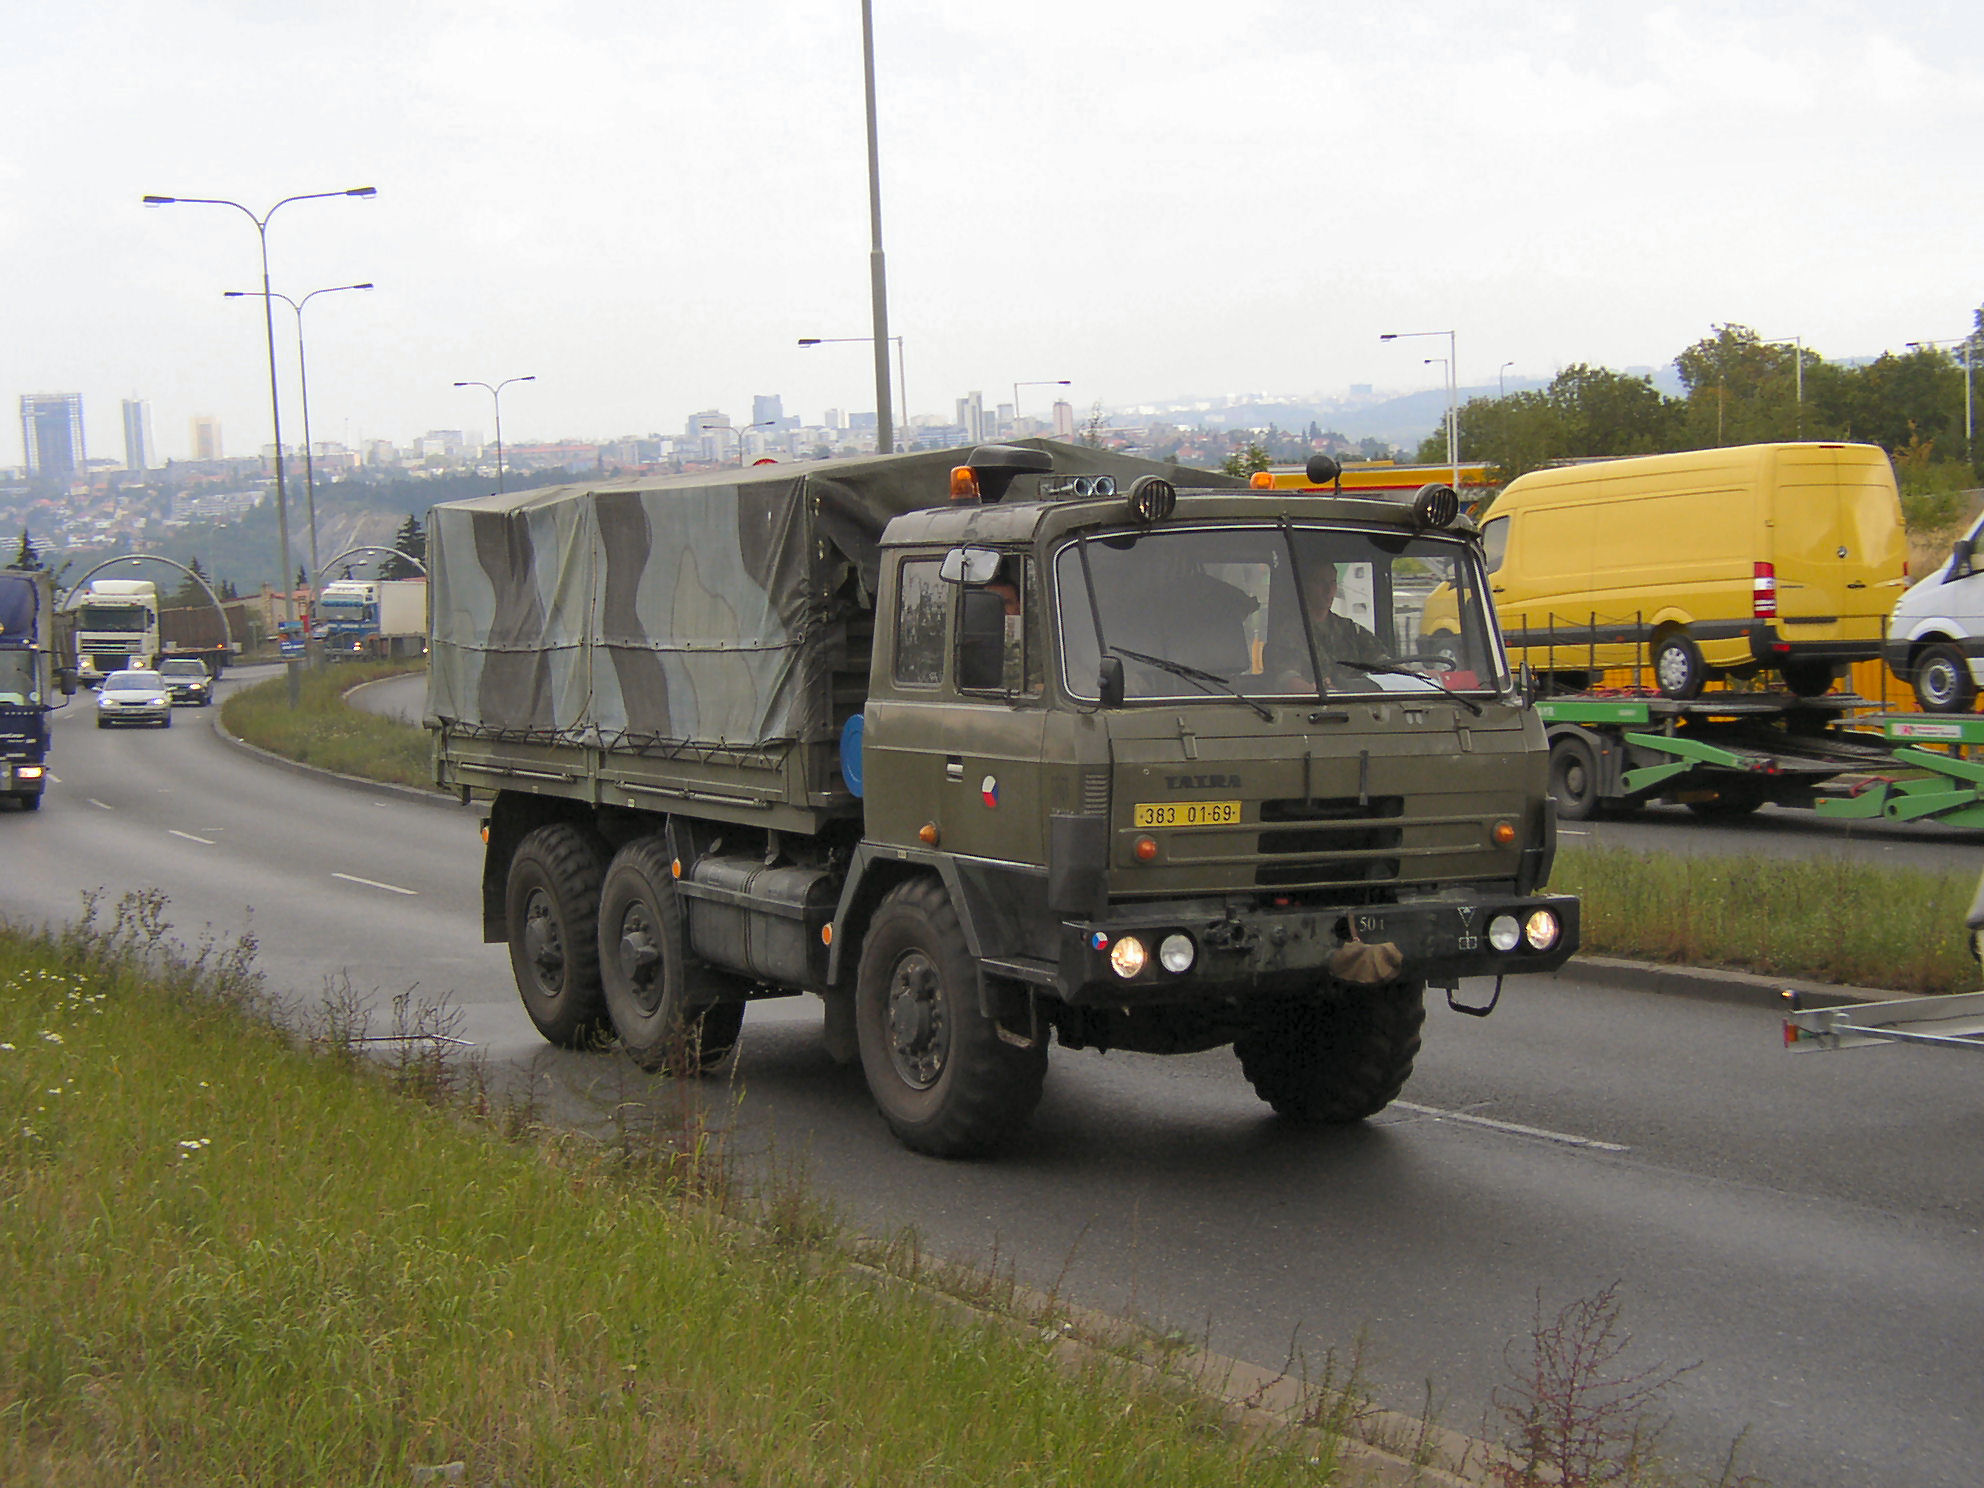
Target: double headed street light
<point>269,327</point>
<point>882,447</point>
<point>496,396</point>
<point>1039,382</point>
<point>303,389</point>
<point>1453,393</point>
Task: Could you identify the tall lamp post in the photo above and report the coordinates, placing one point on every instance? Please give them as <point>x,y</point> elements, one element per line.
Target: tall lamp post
<point>885,434</point>
<point>1501,387</point>
<point>1797,343</point>
<point>1453,392</point>
<point>1038,382</point>
<point>902,382</point>
<point>275,401</point>
<point>496,397</point>
<point>1966,342</point>
<point>303,391</point>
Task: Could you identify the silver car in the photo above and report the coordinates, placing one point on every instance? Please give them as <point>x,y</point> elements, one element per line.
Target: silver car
<point>187,681</point>
<point>133,697</point>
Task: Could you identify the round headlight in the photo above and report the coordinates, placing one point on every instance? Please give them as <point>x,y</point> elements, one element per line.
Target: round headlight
<point>1175,953</point>
<point>1504,933</point>
<point>1127,957</point>
<point>1541,930</point>
<point>1151,498</point>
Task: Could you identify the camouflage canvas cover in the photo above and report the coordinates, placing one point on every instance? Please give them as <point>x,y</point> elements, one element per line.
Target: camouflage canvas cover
<point>700,609</point>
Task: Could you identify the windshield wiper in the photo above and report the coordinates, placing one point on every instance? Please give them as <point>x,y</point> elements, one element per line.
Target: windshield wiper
<point>1193,674</point>
<point>1392,669</point>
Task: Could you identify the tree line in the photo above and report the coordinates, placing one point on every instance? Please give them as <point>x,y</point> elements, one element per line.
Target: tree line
<point>1742,389</point>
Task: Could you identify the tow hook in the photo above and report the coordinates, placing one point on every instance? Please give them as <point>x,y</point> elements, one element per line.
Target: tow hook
<point>1454,1002</point>
<point>1230,934</point>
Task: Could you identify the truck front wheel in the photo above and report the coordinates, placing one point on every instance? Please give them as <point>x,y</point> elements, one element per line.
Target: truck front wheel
<point>661,998</point>
<point>1339,1059</point>
<point>551,908</point>
<point>945,1079</point>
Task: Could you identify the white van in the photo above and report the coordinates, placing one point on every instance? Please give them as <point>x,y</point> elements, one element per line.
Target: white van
<point>1936,634</point>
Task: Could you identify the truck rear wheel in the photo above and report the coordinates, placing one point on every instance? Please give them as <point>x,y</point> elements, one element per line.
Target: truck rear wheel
<point>945,1080</point>
<point>662,999</point>
<point>1574,777</point>
<point>1339,1059</point>
<point>551,908</point>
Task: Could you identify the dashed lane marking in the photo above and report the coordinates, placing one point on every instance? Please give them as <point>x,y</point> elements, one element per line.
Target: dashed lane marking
<point>1514,1128</point>
<point>373,883</point>
<point>203,841</point>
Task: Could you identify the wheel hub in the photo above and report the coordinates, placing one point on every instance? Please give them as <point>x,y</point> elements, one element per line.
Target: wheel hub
<point>544,946</point>
<point>919,1035</point>
<point>640,957</point>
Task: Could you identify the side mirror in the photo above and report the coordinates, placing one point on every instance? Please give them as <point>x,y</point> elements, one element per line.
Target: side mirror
<point>65,678</point>
<point>969,566</point>
<point>1960,558</point>
<point>1109,681</point>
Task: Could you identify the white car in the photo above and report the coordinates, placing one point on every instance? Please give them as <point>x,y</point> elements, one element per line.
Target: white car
<point>133,697</point>
<point>1936,635</point>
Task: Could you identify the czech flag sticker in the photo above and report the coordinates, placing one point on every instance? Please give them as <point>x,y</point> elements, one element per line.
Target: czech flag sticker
<point>988,790</point>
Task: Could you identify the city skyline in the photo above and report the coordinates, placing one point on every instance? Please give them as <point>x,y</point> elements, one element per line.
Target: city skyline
<point>648,208</point>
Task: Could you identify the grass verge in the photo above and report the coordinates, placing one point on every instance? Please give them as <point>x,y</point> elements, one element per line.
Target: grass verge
<point>210,1272</point>
<point>325,731</point>
<point>1826,918</point>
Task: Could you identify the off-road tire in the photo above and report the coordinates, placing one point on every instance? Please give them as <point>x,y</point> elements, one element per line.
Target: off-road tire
<point>551,910</point>
<point>1574,777</point>
<point>1942,680</point>
<point>943,1078</point>
<point>1338,1059</point>
<point>665,1003</point>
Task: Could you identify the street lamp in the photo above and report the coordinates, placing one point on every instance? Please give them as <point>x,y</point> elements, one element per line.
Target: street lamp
<point>303,388</point>
<point>902,385</point>
<point>1453,393</point>
<point>746,429</point>
<point>1966,342</point>
<point>496,397</point>
<point>1798,384</point>
<point>269,327</point>
<point>1041,382</point>
<point>1501,387</point>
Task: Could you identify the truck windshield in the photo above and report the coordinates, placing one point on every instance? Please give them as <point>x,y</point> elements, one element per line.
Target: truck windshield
<point>1271,611</point>
<point>17,678</point>
<point>114,617</point>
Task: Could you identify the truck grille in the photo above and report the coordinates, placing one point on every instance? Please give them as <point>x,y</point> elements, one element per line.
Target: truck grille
<point>1308,836</point>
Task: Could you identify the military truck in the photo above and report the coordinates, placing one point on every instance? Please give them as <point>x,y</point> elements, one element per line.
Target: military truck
<point>989,749</point>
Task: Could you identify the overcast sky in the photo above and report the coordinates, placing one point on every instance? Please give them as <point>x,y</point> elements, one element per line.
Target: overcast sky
<point>644,205</point>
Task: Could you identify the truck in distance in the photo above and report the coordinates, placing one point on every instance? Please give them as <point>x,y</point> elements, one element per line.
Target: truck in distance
<point>33,671</point>
<point>373,617</point>
<point>990,749</point>
<point>116,627</point>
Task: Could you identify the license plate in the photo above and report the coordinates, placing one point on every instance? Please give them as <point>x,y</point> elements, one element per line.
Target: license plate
<point>1187,813</point>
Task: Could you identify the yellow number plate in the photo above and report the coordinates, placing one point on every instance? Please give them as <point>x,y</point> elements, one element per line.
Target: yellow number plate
<point>1188,813</point>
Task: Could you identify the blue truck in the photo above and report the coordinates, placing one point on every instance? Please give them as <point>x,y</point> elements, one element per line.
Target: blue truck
<point>32,641</point>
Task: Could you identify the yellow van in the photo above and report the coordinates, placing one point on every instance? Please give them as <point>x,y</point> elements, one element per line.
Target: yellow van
<point>1704,564</point>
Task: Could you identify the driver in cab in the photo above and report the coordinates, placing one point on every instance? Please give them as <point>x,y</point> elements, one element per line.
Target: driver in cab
<point>1338,638</point>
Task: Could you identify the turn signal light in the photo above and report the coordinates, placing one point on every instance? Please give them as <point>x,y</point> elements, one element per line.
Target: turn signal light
<point>927,834</point>
<point>1502,833</point>
<point>1145,849</point>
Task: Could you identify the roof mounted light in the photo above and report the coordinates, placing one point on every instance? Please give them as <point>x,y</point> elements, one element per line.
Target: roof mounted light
<point>1322,470</point>
<point>1435,505</point>
<point>964,483</point>
<point>1078,487</point>
<point>1152,498</point>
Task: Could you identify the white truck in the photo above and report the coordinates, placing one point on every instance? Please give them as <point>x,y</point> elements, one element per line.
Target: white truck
<point>116,627</point>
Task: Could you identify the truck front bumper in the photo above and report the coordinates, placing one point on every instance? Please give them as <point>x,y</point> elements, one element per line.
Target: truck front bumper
<point>1235,952</point>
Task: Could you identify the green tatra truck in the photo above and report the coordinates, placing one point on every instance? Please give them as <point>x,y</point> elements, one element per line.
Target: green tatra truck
<point>989,749</point>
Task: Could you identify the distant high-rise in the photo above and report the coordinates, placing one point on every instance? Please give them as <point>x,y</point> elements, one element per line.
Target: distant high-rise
<point>971,417</point>
<point>1064,419</point>
<point>206,438</point>
<point>138,446</point>
<point>52,432</point>
<point>767,408</point>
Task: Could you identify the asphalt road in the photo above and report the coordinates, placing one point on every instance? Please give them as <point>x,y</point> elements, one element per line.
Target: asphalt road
<point>1804,1229</point>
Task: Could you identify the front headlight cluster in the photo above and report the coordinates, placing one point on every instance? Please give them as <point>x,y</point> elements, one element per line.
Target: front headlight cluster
<point>1539,931</point>
<point>1130,954</point>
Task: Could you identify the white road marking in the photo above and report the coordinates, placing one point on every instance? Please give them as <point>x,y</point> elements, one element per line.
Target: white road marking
<point>373,883</point>
<point>1514,1127</point>
<point>98,804</point>
<point>203,841</point>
